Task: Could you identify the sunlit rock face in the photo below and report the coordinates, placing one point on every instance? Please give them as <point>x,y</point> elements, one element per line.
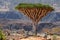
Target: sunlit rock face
<point>35,14</point>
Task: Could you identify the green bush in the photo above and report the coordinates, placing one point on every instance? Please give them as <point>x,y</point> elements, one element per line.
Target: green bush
<point>54,37</point>
<point>2,36</point>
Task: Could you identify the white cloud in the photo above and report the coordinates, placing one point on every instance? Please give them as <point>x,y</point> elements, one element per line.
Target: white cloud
<point>5,7</point>
<point>57,8</point>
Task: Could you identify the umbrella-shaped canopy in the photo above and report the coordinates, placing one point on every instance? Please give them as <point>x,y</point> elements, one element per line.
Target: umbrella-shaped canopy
<point>34,11</point>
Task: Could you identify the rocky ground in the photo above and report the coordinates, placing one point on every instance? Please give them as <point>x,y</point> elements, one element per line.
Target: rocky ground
<point>33,38</point>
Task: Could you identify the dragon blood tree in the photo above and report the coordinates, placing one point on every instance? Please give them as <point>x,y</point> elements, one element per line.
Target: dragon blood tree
<point>35,12</point>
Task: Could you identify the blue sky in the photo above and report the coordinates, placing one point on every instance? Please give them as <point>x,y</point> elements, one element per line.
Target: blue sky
<point>13,3</point>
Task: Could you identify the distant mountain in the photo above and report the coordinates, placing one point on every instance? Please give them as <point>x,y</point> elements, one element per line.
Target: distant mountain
<point>11,15</point>
<point>56,18</point>
<point>52,17</point>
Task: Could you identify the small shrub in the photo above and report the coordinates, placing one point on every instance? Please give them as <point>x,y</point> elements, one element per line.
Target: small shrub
<point>2,36</point>
<point>54,37</point>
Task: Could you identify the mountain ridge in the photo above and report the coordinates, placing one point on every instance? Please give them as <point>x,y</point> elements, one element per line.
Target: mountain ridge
<point>51,17</point>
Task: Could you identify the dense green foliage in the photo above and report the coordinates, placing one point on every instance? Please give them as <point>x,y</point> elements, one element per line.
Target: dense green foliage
<point>2,36</point>
<point>29,5</point>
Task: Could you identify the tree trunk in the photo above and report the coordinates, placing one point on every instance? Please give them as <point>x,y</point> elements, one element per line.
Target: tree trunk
<point>35,28</point>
